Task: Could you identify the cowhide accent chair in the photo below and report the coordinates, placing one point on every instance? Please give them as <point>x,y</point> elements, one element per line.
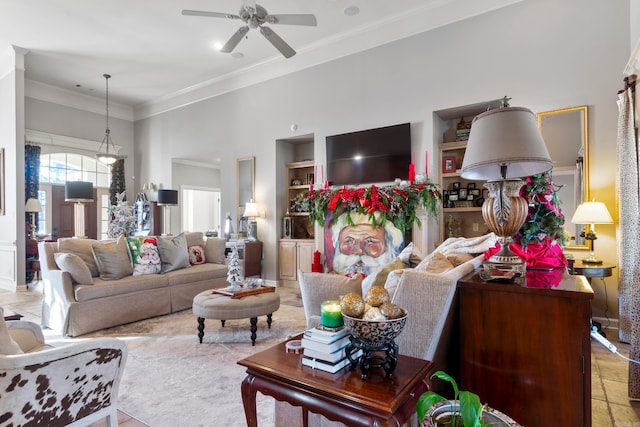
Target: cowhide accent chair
<point>74,384</point>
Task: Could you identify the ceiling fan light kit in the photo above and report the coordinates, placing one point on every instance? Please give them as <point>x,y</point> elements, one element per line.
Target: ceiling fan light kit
<point>255,16</point>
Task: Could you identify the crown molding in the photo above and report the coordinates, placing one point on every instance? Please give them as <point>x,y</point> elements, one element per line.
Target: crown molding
<point>68,98</point>
<point>433,15</point>
<point>51,139</point>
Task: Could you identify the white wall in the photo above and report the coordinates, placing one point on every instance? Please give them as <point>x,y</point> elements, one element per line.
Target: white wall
<point>544,54</point>
<point>12,228</point>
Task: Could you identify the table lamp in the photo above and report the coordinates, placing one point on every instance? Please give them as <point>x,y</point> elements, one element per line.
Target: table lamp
<point>78,192</point>
<point>591,213</point>
<point>33,207</point>
<point>505,145</point>
<point>251,213</point>
<point>166,199</point>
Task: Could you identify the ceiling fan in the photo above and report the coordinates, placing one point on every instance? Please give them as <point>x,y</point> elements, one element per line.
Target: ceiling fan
<point>255,16</point>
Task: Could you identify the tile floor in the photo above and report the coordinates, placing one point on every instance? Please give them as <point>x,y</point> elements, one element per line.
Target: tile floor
<point>610,405</point>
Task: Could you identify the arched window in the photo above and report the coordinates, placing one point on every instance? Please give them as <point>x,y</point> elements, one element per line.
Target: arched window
<point>57,169</point>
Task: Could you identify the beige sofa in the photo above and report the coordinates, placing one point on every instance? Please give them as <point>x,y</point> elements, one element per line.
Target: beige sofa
<point>427,292</point>
<point>73,308</point>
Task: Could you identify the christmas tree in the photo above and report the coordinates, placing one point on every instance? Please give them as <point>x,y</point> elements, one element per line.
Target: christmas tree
<point>545,220</point>
<point>122,222</point>
<point>234,274</point>
<point>540,240</point>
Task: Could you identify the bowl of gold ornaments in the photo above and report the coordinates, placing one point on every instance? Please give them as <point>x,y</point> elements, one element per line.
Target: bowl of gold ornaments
<point>373,320</point>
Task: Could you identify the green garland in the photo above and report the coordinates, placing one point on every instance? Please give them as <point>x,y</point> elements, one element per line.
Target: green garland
<point>393,203</point>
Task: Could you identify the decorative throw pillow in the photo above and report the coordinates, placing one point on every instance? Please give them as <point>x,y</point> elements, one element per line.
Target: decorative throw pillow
<point>379,276</point>
<point>75,266</point>
<point>214,250</point>
<point>459,258</point>
<point>7,344</point>
<point>435,263</point>
<point>196,255</point>
<point>144,255</point>
<point>82,248</point>
<point>194,238</point>
<point>112,259</point>
<point>410,256</point>
<point>173,253</point>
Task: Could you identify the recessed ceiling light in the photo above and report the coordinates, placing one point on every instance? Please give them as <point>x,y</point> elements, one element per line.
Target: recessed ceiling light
<point>351,10</point>
<point>237,55</point>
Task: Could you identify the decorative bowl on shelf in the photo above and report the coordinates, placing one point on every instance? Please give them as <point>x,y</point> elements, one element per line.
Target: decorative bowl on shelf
<point>375,333</point>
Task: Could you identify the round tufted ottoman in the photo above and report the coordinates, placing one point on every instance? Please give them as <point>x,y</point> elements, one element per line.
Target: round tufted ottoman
<point>210,305</point>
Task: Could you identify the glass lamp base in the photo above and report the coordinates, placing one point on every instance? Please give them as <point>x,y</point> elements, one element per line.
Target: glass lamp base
<point>506,261</point>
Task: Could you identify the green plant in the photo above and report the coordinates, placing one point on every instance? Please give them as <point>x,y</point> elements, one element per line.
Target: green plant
<point>470,406</point>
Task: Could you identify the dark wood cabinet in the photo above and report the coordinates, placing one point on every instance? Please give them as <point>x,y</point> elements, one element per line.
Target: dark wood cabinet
<point>526,351</point>
<point>250,256</point>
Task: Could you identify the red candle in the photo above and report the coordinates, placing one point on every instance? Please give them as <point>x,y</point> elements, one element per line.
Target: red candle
<point>426,163</point>
<point>412,173</point>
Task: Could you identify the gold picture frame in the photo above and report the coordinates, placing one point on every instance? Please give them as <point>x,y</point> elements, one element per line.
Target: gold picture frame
<point>2,205</point>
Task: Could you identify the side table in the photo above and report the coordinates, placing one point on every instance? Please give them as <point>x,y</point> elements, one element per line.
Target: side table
<point>343,397</point>
<point>590,271</point>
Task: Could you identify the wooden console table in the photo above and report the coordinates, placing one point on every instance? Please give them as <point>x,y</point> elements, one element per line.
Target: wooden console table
<point>527,351</point>
<point>343,396</point>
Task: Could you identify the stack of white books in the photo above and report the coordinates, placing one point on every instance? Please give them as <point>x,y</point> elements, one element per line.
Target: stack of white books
<point>324,349</point>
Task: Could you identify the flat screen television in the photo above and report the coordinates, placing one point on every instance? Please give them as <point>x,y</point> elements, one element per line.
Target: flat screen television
<point>369,156</point>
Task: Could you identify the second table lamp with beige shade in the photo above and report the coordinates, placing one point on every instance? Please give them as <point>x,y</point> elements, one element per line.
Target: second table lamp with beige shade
<point>591,213</point>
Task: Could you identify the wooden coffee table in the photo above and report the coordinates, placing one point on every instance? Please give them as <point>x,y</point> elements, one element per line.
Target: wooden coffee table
<point>343,397</point>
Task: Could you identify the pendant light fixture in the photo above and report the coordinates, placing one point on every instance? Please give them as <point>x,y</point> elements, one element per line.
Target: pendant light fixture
<point>107,157</point>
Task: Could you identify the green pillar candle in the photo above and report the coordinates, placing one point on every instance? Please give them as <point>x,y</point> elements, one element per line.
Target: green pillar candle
<point>330,315</point>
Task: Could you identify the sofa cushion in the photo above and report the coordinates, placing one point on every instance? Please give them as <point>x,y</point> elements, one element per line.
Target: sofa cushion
<point>128,285</point>
<point>214,250</point>
<point>75,266</point>
<point>196,255</point>
<point>173,252</point>
<point>7,344</point>
<point>144,255</point>
<point>82,248</point>
<point>197,273</point>
<point>435,263</point>
<point>112,259</point>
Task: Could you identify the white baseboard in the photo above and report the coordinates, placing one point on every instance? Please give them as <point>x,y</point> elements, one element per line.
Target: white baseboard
<point>608,323</point>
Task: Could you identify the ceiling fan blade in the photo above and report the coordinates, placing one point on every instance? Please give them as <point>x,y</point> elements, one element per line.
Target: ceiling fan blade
<point>235,39</point>
<point>293,19</point>
<point>277,42</point>
<point>209,14</point>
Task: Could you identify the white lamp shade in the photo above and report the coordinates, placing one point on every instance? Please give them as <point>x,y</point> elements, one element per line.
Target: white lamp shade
<point>251,210</point>
<point>505,136</point>
<point>32,205</point>
<point>592,213</point>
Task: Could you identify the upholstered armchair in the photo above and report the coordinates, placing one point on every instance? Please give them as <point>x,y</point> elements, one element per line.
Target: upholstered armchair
<point>73,384</point>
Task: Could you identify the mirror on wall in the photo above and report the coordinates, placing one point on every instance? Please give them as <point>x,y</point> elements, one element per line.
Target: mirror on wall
<point>245,177</point>
<point>565,132</point>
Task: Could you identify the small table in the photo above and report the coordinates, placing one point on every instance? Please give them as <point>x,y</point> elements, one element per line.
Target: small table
<point>590,270</point>
<point>213,305</point>
<point>12,315</point>
<point>343,397</point>
<point>593,270</point>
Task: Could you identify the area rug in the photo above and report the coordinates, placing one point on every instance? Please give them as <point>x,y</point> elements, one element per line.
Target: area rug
<point>170,379</point>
